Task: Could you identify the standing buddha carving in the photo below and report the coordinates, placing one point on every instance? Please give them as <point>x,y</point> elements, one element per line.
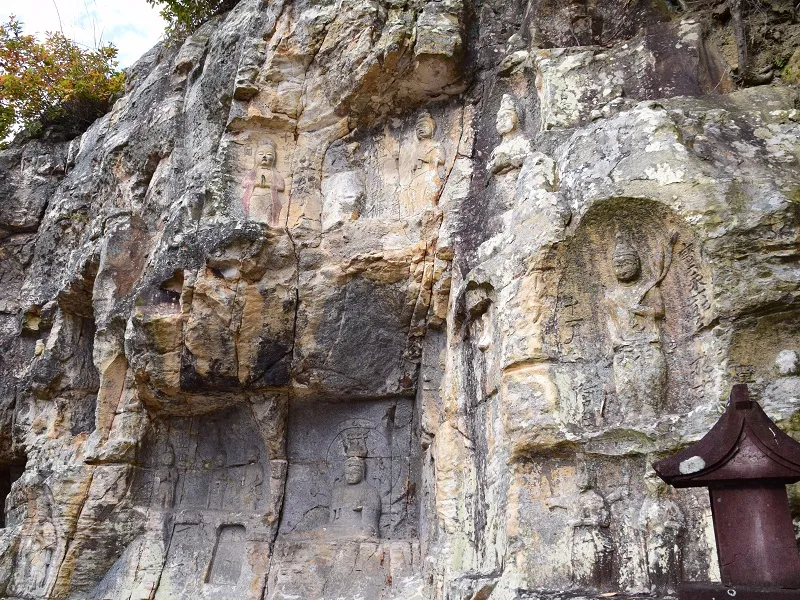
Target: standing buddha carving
<point>264,187</point>
<point>426,183</point>
<point>634,310</point>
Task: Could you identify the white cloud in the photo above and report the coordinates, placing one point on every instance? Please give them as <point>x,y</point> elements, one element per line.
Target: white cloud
<point>133,26</point>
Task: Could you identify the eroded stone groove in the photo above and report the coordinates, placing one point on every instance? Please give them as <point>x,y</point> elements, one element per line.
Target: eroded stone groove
<point>397,300</point>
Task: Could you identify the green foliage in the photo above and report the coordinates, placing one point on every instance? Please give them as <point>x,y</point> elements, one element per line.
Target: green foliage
<point>54,84</point>
<point>184,16</point>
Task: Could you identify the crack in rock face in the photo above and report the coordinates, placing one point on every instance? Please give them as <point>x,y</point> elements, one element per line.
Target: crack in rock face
<point>398,301</point>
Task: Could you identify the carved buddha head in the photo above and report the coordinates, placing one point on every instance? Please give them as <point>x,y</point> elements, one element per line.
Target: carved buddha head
<point>354,470</point>
<point>625,261</point>
<point>425,126</point>
<point>168,458</point>
<point>221,460</point>
<point>507,116</point>
<point>266,155</point>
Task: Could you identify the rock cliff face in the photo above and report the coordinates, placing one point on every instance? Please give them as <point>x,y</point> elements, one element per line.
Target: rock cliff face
<point>396,300</point>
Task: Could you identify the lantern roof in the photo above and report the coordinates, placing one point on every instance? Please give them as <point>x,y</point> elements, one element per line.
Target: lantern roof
<point>744,446</point>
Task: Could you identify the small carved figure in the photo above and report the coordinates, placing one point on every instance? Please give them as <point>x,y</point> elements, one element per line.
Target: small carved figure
<point>38,548</point>
<point>253,479</point>
<point>426,182</point>
<point>263,187</point>
<point>580,22</point>
<point>196,476</point>
<point>216,496</point>
<point>635,309</point>
<point>514,147</point>
<point>40,558</point>
<point>592,547</point>
<point>787,363</point>
<point>166,479</point>
<point>355,505</point>
<point>662,526</point>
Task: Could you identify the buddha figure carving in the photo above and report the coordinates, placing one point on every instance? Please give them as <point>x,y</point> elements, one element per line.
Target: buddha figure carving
<point>514,147</point>
<point>662,526</point>
<point>355,504</point>
<point>592,546</point>
<point>264,187</point>
<point>253,482</point>
<point>634,311</point>
<point>426,183</point>
<point>166,479</point>
<point>219,481</point>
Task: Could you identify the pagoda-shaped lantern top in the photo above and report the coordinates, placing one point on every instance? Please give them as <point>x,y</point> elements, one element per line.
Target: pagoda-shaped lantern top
<point>746,462</point>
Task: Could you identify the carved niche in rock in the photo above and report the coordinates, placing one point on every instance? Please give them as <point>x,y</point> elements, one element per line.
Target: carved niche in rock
<point>631,304</point>
<point>207,484</point>
<point>351,470</point>
<point>226,564</point>
<point>208,464</point>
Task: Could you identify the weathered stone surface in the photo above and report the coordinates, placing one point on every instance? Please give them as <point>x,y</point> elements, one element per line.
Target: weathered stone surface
<point>397,300</point>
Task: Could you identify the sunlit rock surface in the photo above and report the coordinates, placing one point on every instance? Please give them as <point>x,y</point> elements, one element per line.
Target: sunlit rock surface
<point>395,301</point>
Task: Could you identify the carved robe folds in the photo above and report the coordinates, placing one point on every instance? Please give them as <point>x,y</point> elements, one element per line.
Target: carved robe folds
<point>264,187</point>
<point>425,184</point>
<point>640,369</point>
<point>266,202</point>
<point>355,510</point>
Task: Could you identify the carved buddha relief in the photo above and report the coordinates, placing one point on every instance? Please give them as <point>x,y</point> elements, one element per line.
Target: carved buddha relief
<point>628,317</point>
<point>350,471</point>
<point>425,182</point>
<point>264,187</point>
<point>207,473</point>
<point>514,147</point>
<point>592,546</point>
<point>166,478</point>
<point>206,483</point>
<point>355,504</point>
<point>219,481</point>
<point>253,481</point>
<point>634,310</point>
<point>662,526</point>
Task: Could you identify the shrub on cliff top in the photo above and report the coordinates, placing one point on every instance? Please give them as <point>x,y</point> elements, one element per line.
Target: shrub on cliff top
<point>184,16</point>
<point>54,84</point>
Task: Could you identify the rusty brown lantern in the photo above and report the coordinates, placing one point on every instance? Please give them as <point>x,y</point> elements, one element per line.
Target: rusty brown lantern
<point>746,462</point>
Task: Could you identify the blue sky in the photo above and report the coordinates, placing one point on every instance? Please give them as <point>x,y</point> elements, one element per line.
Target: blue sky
<point>133,26</point>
